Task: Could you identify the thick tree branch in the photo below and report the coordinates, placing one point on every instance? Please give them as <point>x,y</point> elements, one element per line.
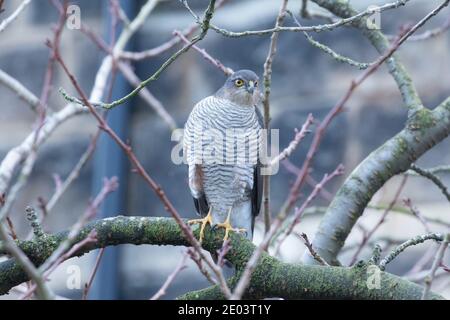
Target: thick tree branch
<point>271,278</point>
<point>423,131</point>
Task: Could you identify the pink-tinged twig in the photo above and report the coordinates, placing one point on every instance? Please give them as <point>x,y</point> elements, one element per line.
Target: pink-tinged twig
<point>109,186</point>
<point>299,136</point>
<point>193,254</point>
<point>180,267</point>
<point>299,211</point>
<point>88,285</point>
<point>62,187</point>
<point>292,168</point>
<point>445,268</point>
<point>146,95</point>
<point>98,41</point>
<point>118,12</point>
<point>370,233</point>
<point>91,238</point>
<point>267,79</point>
<point>215,62</point>
<point>407,202</point>
<point>12,230</point>
<point>436,263</point>
<point>150,53</point>
<point>223,252</point>
<point>430,34</point>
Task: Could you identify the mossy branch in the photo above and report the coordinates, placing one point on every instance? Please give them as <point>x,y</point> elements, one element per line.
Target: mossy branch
<point>422,132</point>
<point>271,277</point>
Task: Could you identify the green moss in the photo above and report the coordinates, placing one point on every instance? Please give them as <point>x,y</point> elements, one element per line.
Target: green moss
<point>422,120</point>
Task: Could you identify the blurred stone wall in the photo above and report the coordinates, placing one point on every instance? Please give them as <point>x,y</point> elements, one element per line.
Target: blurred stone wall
<point>305,80</point>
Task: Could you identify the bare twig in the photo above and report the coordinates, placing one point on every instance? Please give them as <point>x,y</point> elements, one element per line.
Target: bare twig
<point>205,25</point>
<point>21,91</point>
<point>316,28</point>
<point>90,238</point>
<point>150,53</point>
<point>227,71</point>
<point>436,263</point>
<point>417,213</point>
<point>370,233</point>
<point>412,242</point>
<point>299,211</point>
<point>267,79</point>
<point>180,267</point>
<point>109,186</point>
<point>146,95</point>
<point>88,285</point>
<point>5,23</point>
<point>433,178</point>
<point>299,136</point>
<point>313,252</point>
<point>430,34</point>
<point>73,175</point>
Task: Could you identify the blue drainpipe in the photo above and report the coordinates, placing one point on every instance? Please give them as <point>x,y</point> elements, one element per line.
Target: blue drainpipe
<point>109,160</point>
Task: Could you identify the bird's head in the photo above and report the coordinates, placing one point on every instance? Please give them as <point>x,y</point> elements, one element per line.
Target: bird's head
<point>241,88</point>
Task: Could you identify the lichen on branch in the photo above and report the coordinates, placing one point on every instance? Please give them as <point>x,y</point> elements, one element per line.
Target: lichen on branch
<point>271,278</point>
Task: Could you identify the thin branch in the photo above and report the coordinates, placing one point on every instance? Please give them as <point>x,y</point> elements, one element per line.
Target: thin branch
<point>109,186</point>
<point>407,202</point>
<point>300,211</point>
<point>433,178</point>
<point>412,242</point>
<point>88,285</point>
<point>313,252</point>
<point>215,62</point>
<point>430,34</point>
<point>267,79</point>
<point>180,267</point>
<point>336,56</point>
<point>436,263</point>
<point>22,92</point>
<point>204,29</point>
<point>5,23</point>
<point>154,52</point>
<point>370,233</point>
<point>147,96</point>
<point>299,136</point>
<point>74,174</point>
<point>316,28</point>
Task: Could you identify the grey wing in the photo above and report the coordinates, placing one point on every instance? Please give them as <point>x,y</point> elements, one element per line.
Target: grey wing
<point>257,190</point>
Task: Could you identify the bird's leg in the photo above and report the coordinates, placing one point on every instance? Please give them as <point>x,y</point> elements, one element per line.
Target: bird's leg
<point>228,227</point>
<point>206,220</point>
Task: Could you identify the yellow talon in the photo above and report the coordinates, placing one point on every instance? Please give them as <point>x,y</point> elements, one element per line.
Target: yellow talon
<point>228,227</point>
<point>206,220</point>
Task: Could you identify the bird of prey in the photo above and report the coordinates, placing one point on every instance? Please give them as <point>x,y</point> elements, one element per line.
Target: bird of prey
<point>224,177</point>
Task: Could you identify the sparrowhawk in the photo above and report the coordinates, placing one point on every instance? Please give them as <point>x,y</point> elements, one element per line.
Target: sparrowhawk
<point>222,147</point>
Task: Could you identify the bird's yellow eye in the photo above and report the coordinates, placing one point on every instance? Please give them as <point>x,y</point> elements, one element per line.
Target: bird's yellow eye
<point>239,82</point>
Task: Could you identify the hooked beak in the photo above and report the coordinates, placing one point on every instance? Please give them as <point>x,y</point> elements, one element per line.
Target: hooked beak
<point>251,87</point>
